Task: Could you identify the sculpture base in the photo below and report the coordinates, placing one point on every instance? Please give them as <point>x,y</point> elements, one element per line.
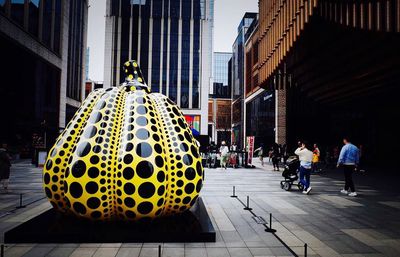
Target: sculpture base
<point>52,227</point>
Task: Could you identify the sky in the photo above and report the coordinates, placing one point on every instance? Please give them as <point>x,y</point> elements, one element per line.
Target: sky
<point>227,16</point>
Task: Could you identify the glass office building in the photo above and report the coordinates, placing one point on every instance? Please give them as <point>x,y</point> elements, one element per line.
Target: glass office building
<point>238,79</point>
<point>172,42</point>
<point>219,123</point>
<point>220,68</point>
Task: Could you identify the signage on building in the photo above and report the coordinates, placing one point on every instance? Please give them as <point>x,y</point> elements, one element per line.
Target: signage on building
<point>250,149</point>
<point>267,97</point>
<point>194,123</point>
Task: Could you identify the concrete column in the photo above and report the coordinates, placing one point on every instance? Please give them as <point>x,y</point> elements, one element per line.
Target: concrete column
<point>280,116</point>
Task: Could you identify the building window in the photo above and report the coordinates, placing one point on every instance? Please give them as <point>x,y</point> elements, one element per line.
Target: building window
<point>185,60</point>
<point>114,7</point>
<point>76,48</point>
<point>196,64</point>
<point>186,9</point>
<point>144,40</point>
<point>46,34</point>
<point>2,5</point>
<point>173,61</point>
<point>155,69</point>
<point>135,31</point>
<point>174,11</point>
<point>17,11</point>
<point>57,26</point>
<point>157,8</point>
<point>165,49</point>
<point>196,9</point>
<point>125,23</point>
<point>34,7</point>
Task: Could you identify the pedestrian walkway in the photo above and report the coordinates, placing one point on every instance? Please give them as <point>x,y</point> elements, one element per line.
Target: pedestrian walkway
<point>331,224</point>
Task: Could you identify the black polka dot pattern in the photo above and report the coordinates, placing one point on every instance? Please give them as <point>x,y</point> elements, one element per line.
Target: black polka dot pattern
<point>126,154</point>
<point>184,166</point>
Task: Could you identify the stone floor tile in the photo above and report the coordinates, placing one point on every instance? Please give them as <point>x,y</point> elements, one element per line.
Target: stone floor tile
<point>195,252</point>
<point>148,252</point>
<point>17,251</point>
<point>173,252</point>
<point>259,251</point>
<point>61,252</point>
<point>240,252</point>
<point>128,252</point>
<point>106,252</point>
<point>83,252</point>
<point>38,251</point>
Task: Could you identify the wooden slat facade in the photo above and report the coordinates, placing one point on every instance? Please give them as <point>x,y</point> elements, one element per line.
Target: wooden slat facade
<point>281,23</point>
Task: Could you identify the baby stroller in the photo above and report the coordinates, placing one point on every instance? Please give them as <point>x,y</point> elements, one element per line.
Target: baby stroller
<point>290,174</point>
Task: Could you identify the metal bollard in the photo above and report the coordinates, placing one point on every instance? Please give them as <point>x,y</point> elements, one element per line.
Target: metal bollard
<point>305,250</point>
<point>233,193</point>
<point>270,229</point>
<point>159,250</point>
<point>20,202</point>
<point>247,208</point>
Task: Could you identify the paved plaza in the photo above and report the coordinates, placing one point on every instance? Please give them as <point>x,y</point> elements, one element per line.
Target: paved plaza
<point>331,224</point>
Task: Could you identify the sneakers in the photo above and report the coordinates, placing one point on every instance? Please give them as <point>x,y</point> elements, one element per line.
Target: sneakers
<point>343,191</point>
<point>307,191</point>
<point>353,194</point>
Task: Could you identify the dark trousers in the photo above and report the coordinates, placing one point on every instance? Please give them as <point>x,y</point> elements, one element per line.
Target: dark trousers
<point>348,177</point>
<point>275,162</point>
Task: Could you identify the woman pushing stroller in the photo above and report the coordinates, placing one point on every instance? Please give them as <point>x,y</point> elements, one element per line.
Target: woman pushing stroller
<point>305,157</point>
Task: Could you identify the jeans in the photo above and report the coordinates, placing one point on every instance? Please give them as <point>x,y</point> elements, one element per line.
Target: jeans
<point>305,173</point>
<point>348,177</point>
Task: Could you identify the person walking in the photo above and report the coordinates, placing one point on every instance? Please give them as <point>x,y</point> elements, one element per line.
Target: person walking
<point>275,157</point>
<point>348,159</point>
<point>315,160</point>
<point>305,157</point>
<point>270,153</point>
<point>260,152</point>
<point>224,150</point>
<point>5,165</point>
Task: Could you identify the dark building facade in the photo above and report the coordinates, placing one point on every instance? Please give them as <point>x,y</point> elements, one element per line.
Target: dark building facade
<point>42,45</point>
<point>238,80</point>
<point>335,68</point>
<point>172,42</point>
<point>259,103</point>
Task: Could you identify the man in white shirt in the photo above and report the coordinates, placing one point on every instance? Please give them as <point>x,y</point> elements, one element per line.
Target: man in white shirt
<point>305,157</point>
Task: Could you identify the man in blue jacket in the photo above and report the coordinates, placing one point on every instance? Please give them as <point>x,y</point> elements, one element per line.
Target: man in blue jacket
<point>349,159</point>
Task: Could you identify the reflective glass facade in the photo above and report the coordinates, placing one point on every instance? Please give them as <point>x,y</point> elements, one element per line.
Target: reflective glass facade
<point>260,118</point>
<point>76,49</point>
<point>43,41</point>
<point>238,79</point>
<point>40,18</point>
<point>164,36</point>
<point>220,72</point>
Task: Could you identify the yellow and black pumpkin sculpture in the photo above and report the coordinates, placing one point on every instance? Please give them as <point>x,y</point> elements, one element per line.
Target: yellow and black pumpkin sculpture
<point>127,154</point>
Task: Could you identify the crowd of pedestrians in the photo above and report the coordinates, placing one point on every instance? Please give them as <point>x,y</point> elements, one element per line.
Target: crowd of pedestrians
<point>348,159</point>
